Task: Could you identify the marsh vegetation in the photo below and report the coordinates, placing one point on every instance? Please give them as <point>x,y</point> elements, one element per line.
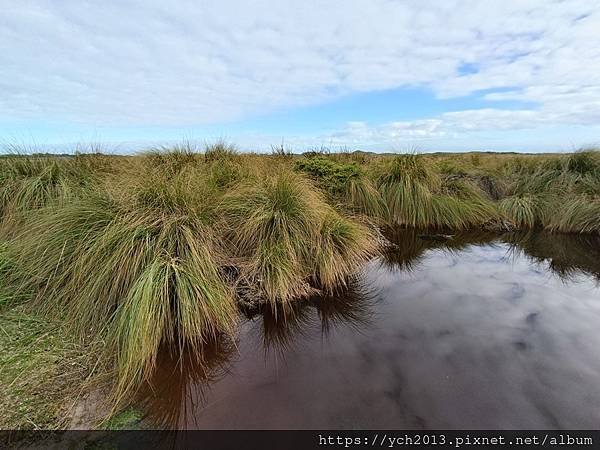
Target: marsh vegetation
<point>134,253</point>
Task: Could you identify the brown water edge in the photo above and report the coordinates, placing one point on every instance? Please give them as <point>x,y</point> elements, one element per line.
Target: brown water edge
<point>480,331</point>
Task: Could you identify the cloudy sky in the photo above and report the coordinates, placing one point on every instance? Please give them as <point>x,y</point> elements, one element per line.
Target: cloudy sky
<point>374,74</point>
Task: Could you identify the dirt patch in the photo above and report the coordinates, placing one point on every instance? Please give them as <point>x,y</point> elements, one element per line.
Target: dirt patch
<point>88,410</point>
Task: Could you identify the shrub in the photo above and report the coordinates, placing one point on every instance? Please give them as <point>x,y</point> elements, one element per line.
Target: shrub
<point>332,175</point>
<point>346,181</point>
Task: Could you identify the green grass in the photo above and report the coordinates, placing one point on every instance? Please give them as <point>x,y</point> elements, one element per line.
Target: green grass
<point>8,296</point>
<point>577,215</point>
<point>42,371</point>
<point>128,419</point>
<point>219,151</point>
<point>415,194</point>
<point>526,211</point>
<point>135,277</point>
<point>344,180</point>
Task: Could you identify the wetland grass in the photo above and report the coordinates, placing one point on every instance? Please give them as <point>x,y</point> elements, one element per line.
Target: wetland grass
<point>159,249</point>
<point>289,239</point>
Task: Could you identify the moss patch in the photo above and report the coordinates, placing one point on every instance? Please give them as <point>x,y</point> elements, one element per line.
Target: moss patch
<point>128,419</point>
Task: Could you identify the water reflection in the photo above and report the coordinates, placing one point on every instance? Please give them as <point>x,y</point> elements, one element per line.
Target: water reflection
<point>177,391</point>
<point>408,247</point>
<point>475,331</point>
<point>281,327</point>
<point>567,256</point>
<point>176,395</point>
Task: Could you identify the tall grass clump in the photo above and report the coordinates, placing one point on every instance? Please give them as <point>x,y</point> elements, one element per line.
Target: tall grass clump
<point>406,183</point>
<point>170,161</point>
<point>31,182</point>
<point>559,193</point>
<point>584,162</point>
<point>586,166</point>
<point>136,271</point>
<point>287,239</point>
<point>415,195</point>
<point>226,173</point>
<point>220,150</point>
<point>8,294</point>
<point>577,215</point>
<point>525,211</point>
<point>345,181</point>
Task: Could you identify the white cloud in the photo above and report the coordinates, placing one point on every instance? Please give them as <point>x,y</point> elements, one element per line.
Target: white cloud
<point>192,63</point>
<point>494,129</point>
<point>361,132</point>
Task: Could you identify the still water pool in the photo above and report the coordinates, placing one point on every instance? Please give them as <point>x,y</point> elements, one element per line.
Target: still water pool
<point>476,332</point>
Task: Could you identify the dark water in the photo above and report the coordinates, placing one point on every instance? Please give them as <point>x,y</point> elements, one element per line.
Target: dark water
<point>477,332</point>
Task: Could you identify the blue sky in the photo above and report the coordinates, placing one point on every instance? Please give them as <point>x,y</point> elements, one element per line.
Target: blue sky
<point>374,74</point>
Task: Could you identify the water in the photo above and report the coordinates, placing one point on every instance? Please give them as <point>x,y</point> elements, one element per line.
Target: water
<point>477,332</point>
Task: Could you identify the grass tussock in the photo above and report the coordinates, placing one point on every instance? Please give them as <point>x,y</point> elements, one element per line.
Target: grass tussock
<point>578,215</point>
<point>525,211</point>
<point>289,239</point>
<point>220,151</point>
<point>136,273</point>
<point>416,195</point>
<point>559,193</point>
<point>31,182</point>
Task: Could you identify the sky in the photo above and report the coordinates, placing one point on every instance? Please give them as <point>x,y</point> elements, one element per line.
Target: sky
<point>379,75</point>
